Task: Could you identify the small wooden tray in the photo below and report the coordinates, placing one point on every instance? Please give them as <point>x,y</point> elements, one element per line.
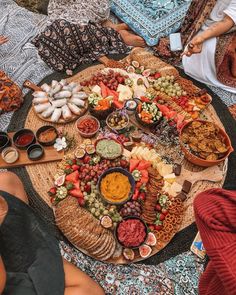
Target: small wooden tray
<point>50,155</point>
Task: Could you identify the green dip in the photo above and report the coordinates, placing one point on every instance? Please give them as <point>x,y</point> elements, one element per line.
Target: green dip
<point>108,149</point>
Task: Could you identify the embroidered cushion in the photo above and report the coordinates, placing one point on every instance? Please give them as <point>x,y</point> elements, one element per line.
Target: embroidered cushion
<point>151,19</point>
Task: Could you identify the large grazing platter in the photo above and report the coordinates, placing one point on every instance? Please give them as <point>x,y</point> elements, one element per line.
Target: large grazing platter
<point>120,195</point>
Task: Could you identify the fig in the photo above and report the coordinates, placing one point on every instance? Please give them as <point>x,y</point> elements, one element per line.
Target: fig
<point>130,69</point>
<point>128,254</point>
<point>145,251</point>
<point>60,180</point>
<point>146,73</point>
<point>135,63</point>
<point>151,239</point>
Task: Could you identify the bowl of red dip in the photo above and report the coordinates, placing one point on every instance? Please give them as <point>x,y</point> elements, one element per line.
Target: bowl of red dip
<point>87,126</point>
<point>131,232</point>
<point>24,138</point>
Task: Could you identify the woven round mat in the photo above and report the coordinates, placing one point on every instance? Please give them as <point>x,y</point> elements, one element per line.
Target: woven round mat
<point>41,175</point>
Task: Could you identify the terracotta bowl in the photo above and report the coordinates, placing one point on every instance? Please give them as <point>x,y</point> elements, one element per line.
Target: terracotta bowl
<point>199,161</point>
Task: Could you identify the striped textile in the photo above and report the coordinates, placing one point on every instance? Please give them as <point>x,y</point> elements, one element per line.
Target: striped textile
<point>215,212</point>
<point>18,57</point>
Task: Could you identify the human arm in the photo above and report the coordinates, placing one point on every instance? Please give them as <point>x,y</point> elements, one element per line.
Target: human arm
<point>215,30</point>
<point>2,276</point>
<point>3,39</point>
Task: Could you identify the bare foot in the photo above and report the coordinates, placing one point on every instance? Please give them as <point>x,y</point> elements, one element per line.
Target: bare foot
<point>131,39</point>
<point>116,27</point>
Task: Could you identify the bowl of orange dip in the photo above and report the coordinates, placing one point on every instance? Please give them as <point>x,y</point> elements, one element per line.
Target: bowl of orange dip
<point>116,186</point>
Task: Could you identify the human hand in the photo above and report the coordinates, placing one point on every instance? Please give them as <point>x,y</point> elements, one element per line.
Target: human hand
<point>194,46</point>
<point>3,39</point>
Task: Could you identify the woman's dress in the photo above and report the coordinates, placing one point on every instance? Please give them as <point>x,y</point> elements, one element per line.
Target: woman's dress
<point>202,66</point>
<point>30,252</point>
<point>64,45</point>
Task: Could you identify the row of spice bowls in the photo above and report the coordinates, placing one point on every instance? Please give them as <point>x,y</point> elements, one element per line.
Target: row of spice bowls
<point>27,140</point>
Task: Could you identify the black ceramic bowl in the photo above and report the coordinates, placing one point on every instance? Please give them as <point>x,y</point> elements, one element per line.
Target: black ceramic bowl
<point>35,152</point>
<point>144,124</point>
<point>126,173</point>
<point>20,142</point>
<point>5,141</point>
<point>43,129</point>
<point>129,218</point>
<point>101,114</point>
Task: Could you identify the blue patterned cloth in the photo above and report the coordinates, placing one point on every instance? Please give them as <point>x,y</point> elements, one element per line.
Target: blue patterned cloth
<point>151,19</point>
<point>176,276</point>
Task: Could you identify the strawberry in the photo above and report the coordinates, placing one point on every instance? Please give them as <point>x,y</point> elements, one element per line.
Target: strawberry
<point>124,163</point>
<point>135,195</point>
<point>81,202</point>
<point>86,159</point>
<point>75,167</point>
<point>139,184</point>
<point>73,177</point>
<point>142,196</point>
<point>152,227</point>
<point>157,75</point>
<point>158,207</point>
<point>164,211</point>
<point>52,199</point>
<point>158,227</point>
<point>87,188</point>
<point>52,191</point>
<point>162,217</point>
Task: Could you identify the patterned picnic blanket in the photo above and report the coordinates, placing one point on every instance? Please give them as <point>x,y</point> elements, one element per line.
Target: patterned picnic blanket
<point>151,19</point>
<point>18,58</point>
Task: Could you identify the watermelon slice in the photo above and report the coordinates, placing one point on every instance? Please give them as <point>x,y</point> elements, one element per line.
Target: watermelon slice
<point>170,115</point>
<point>103,90</point>
<point>164,109</point>
<point>117,104</point>
<point>133,164</point>
<point>144,173</point>
<point>143,165</point>
<point>73,177</point>
<point>76,193</point>
<point>144,180</point>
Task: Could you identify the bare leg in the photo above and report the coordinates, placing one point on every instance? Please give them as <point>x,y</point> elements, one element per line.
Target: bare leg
<point>116,27</point>
<point>131,39</point>
<point>78,283</point>
<point>11,183</point>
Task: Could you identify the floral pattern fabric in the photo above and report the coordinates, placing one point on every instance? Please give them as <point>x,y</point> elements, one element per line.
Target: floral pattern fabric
<point>179,275</point>
<point>79,11</point>
<point>64,46</point>
<point>151,19</point>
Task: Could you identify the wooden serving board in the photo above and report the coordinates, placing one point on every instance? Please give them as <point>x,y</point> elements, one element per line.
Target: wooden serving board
<point>50,155</point>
